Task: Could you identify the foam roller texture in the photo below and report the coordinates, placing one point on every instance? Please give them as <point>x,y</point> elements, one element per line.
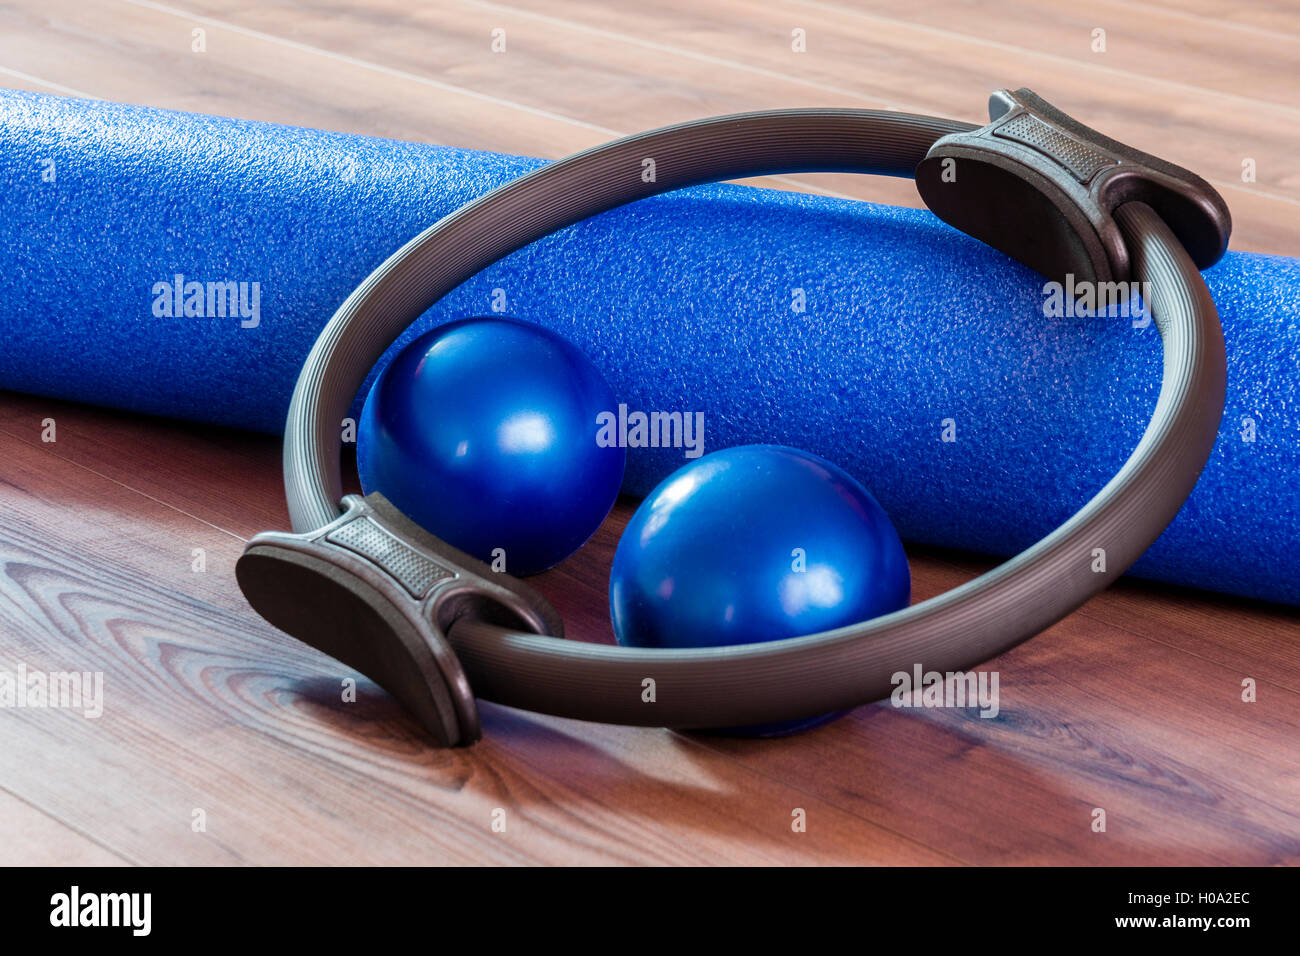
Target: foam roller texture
<point>853,330</point>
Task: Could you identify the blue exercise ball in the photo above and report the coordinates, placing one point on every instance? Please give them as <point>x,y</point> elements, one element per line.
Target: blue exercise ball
<point>754,543</point>
<point>484,432</point>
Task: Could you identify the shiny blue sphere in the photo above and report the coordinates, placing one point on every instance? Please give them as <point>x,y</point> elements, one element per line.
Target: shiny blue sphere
<point>483,432</point>
<point>754,543</point>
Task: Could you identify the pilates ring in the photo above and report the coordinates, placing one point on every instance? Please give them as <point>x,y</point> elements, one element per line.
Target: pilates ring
<point>436,628</point>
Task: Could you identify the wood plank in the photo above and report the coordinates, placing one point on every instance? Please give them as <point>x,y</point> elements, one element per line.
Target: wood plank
<point>130,54</point>
<point>1053,750</point>
<point>1157,53</point>
<point>1055,753</point>
<point>142,54</point>
<point>27,834</point>
<point>1265,18</point>
<point>1090,718</point>
<point>516,113</point>
<point>1252,639</point>
<point>209,707</point>
<point>897,64</point>
<point>108,443</point>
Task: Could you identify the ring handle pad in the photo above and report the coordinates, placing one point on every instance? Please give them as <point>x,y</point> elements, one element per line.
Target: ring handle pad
<point>379,593</point>
<point>1041,187</point>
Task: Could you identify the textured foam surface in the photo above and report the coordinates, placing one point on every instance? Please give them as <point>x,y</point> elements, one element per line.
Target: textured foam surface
<point>685,302</point>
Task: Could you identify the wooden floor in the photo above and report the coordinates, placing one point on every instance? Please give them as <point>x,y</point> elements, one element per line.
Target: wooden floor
<point>1132,705</point>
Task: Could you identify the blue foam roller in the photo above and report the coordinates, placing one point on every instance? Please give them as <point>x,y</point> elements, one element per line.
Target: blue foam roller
<point>850,329</point>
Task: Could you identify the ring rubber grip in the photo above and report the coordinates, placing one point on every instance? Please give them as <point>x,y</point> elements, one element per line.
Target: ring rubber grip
<point>796,677</point>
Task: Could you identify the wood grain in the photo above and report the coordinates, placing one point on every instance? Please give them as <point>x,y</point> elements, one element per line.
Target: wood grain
<point>209,708</point>
<point>1117,735</point>
<point>1132,704</point>
<point>28,834</point>
<point>577,72</point>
